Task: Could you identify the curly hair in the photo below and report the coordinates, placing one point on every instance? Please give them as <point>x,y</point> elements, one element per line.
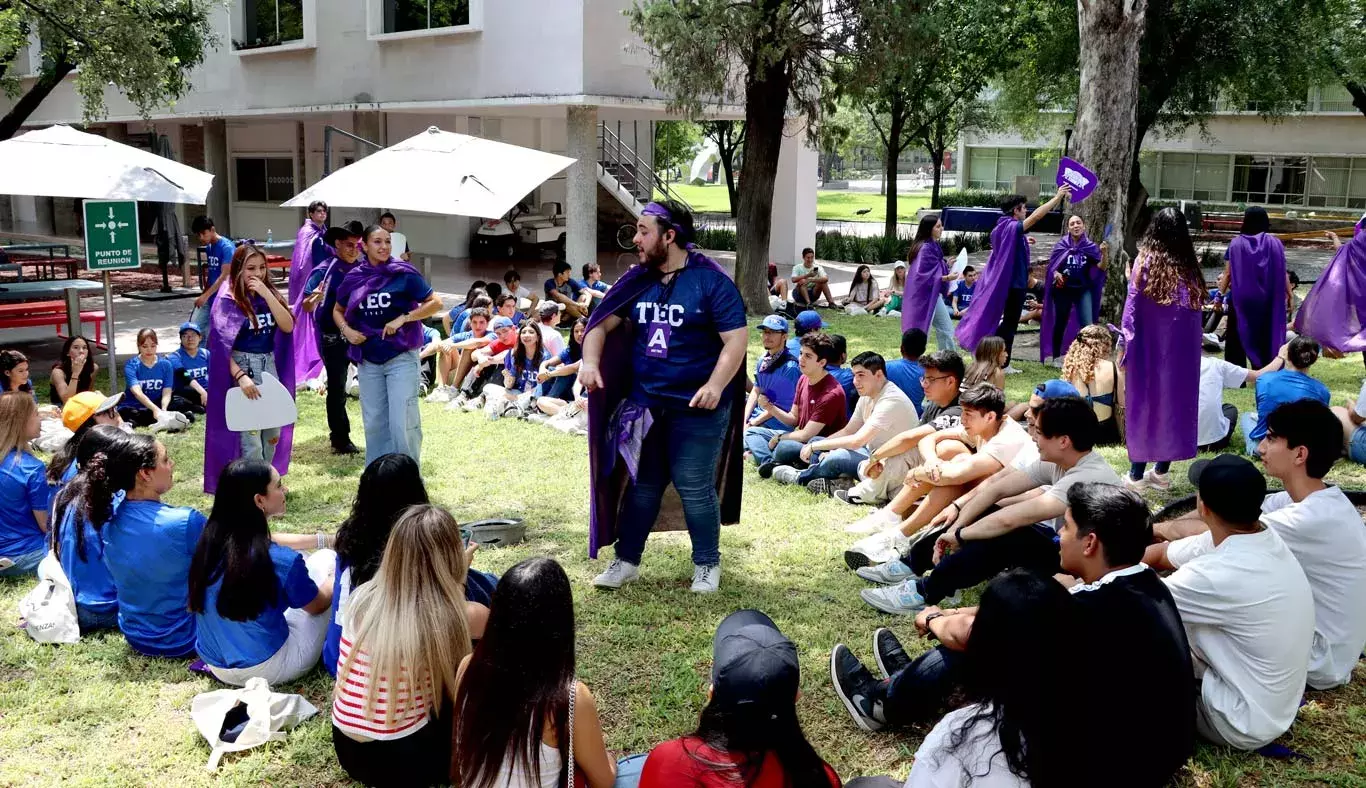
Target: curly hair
<point>1169,261</point>
<point>1092,345</point>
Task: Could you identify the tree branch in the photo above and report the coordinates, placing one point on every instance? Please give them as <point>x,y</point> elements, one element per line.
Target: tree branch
<point>28,103</point>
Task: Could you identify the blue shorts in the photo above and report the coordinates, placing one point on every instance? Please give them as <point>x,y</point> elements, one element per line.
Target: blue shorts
<point>1357,449</point>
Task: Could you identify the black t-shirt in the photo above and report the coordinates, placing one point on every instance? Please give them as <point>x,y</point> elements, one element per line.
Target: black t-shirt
<point>1136,700</point>
<point>943,418</point>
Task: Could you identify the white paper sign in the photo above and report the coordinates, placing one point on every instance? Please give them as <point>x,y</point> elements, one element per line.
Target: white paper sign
<point>961,263</point>
<point>274,408</point>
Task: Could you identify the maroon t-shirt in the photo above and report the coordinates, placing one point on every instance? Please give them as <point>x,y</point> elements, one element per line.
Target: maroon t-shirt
<point>822,402</point>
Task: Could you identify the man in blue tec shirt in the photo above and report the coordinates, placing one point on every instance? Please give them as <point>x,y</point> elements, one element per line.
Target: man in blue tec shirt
<point>217,256</point>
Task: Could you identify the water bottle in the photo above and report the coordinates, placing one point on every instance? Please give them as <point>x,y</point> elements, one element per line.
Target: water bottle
<point>270,235</point>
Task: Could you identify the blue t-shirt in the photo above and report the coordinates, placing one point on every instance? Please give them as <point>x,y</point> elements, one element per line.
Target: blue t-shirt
<point>907,377</point>
<point>570,356</point>
<point>258,338</point>
<point>153,379</point>
<point>194,367</point>
<point>599,285</point>
<point>53,489</point>
<point>681,323</point>
<point>322,316</point>
<point>24,490</point>
<point>398,296</point>
<point>794,346</point>
<point>429,335</point>
<point>224,643</point>
<point>218,254</point>
<point>845,376</point>
<point>778,382</point>
<point>526,381</point>
<point>1277,388</point>
<point>1019,275</point>
<point>147,547</point>
<point>91,581</point>
<point>570,288</point>
<point>962,293</point>
<point>1073,269</point>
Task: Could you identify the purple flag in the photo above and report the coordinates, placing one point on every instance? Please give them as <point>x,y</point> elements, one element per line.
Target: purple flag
<point>1075,174</point>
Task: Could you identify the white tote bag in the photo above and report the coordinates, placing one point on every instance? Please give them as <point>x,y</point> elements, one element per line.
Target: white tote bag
<point>49,610</point>
<point>268,716</point>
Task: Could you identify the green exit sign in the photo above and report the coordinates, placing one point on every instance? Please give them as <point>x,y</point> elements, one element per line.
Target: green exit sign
<point>111,235</point>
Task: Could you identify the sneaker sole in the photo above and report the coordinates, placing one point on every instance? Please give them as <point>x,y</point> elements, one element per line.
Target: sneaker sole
<point>868,576</point>
<point>820,487</point>
<point>877,654</point>
<point>609,586</point>
<point>859,719</point>
<point>877,604</point>
<point>856,560</point>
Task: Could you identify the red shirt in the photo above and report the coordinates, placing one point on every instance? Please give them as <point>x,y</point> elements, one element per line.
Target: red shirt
<point>823,402</point>
<point>687,763</point>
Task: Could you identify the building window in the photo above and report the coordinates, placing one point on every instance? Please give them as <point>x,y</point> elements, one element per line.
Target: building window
<point>1194,176</point>
<point>1272,180</point>
<point>995,169</point>
<point>268,23</point>
<point>1336,182</point>
<point>402,16</point>
<point>262,179</point>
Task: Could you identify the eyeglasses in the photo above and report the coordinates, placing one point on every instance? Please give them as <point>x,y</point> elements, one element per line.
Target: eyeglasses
<point>936,378</point>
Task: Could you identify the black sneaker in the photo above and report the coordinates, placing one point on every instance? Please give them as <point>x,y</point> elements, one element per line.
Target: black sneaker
<point>891,657</point>
<point>843,496</point>
<point>766,469</point>
<point>829,487</point>
<point>345,448</point>
<point>857,688</point>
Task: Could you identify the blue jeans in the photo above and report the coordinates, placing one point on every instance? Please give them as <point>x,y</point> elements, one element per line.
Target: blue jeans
<point>388,406</point>
<point>683,447</point>
<point>24,563</point>
<point>832,464</point>
<point>1247,422</point>
<point>922,688</point>
<point>200,316</point>
<point>1137,469</point>
<point>942,321</point>
<point>258,444</point>
<point>756,443</point>
<point>1357,450</point>
<point>628,771</point>
<point>559,388</point>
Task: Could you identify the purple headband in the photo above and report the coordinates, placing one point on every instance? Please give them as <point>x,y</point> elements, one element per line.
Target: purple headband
<point>660,212</point>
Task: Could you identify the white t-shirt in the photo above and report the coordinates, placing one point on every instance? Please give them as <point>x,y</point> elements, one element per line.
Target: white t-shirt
<point>1007,443</point>
<point>552,339</point>
<point>891,414</point>
<point>1215,376</point>
<point>802,270</point>
<point>1328,538</point>
<point>1090,468</point>
<point>1361,400</point>
<point>936,766</point>
<point>1249,616</point>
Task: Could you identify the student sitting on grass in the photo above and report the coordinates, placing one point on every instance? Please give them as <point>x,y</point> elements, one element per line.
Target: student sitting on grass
<point>190,366</point>
<point>481,301</point>
<point>748,733</point>
<point>150,381</point>
<point>547,320</point>
<point>77,544</point>
<point>843,373</point>
<point>817,410</point>
<point>453,348</point>
<point>450,322</point>
<point>864,292</point>
<point>592,283</point>
<point>906,371</point>
<point>563,289</point>
<point>1288,384</point>
<point>23,488</point>
<point>80,414</point>
<point>74,373</point>
<point>483,365</point>
<point>521,367</point>
<point>518,702</point>
<point>557,375</point>
<point>775,374</point>
<point>1088,367</point>
<point>403,638</point>
<point>962,292</point>
<point>14,373</point>
<point>512,286</point>
<point>988,363</point>
<point>260,608</point>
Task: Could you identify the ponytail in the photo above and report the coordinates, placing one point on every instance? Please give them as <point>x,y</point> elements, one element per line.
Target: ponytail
<point>92,458</point>
<point>112,469</point>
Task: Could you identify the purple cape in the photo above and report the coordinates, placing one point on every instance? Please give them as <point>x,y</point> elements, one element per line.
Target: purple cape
<point>1334,312</point>
<point>607,488</point>
<point>308,362</point>
<point>989,296</point>
<point>1095,282</point>
<point>1257,272</point>
<point>221,445</point>
<point>1161,375</point>
<point>924,286</point>
<point>358,284</point>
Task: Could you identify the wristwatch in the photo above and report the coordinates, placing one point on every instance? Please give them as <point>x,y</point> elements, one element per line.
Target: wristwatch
<point>929,633</point>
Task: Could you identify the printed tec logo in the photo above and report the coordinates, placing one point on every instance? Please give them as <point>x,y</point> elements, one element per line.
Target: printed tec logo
<point>1075,178</point>
<point>377,301</point>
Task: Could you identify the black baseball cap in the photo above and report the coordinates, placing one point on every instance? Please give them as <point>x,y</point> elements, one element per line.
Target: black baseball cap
<point>1230,486</point>
<point>352,229</point>
<point>753,663</point>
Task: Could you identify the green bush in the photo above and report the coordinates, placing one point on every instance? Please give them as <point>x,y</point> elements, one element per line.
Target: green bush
<point>971,198</point>
<point>721,240</point>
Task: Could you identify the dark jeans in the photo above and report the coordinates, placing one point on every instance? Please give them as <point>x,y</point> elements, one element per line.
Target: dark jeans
<point>683,447</point>
<point>922,689</point>
<point>1212,322</point>
<point>1029,547</point>
<point>419,759</point>
<point>1065,299</point>
<point>337,367</point>
<point>560,388</point>
<point>1230,413</point>
<point>1233,343</point>
<point>493,373</point>
<point>1010,321</point>
<point>1137,469</point>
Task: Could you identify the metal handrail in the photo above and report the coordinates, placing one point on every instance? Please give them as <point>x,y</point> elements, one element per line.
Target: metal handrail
<point>611,150</point>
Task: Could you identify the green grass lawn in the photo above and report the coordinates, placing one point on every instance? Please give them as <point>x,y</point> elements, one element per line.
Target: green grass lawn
<point>832,205</point>
<point>95,713</point>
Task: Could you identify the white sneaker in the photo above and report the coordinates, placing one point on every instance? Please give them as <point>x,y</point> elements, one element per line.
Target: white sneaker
<point>1011,371</point>
<point>1137,485</point>
<point>785,474</point>
<point>474,404</point>
<point>441,394</point>
<point>706,579</point>
<point>877,521</point>
<point>618,574</point>
<point>1161,481</point>
<point>877,549</point>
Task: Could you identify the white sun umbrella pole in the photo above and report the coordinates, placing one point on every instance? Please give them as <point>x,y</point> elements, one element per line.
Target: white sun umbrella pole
<point>60,161</point>
<point>439,172</point>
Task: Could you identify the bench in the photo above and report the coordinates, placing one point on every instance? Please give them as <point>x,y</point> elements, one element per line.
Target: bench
<point>48,313</point>
<point>49,263</point>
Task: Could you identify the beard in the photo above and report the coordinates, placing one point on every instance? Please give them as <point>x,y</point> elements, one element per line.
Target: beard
<point>654,256</point>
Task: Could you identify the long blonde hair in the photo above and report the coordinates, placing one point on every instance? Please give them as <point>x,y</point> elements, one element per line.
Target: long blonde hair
<point>1092,345</point>
<point>986,361</point>
<point>16,408</point>
<point>409,619</point>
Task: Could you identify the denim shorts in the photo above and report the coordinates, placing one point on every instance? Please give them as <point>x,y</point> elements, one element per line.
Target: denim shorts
<point>1357,449</point>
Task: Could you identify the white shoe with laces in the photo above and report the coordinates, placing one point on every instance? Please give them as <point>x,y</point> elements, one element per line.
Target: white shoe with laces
<point>618,574</point>
<point>1160,481</point>
<point>706,579</point>
<point>1009,370</point>
<point>877,521</point>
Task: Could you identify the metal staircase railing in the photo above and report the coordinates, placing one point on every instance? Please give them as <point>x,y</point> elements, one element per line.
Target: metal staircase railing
<point>635,175</point>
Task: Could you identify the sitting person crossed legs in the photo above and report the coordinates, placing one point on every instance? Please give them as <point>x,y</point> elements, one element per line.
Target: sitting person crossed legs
<point>967,545</point>
<point>818,409</point>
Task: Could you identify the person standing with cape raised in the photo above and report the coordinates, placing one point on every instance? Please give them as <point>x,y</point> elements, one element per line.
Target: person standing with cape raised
<point>1334,312</point>
<point>1075,278</point>
<point>1257,284</point>
<point>662,362</point>
<point>1000,293</point>
<point>927,282</point>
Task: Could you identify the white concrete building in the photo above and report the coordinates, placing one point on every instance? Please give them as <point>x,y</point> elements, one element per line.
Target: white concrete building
<point>566,76</point>
<point>1314,159</point>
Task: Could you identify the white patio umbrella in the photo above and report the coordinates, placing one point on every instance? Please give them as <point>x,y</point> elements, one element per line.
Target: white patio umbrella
<point>60,161</point>
<point>438,172</point>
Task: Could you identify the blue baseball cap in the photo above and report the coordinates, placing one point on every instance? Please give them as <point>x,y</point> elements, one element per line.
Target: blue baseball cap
<point>810,320</point>
<point>189,325</point>
<point>501,322</point>
<point>774,323</point>
<point>1052,389</point>
<point>754,664</point>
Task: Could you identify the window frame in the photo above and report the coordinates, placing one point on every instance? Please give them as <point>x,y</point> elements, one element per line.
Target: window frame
<point>309,19</point>
<point>265,159</point>
<point>375,24</point>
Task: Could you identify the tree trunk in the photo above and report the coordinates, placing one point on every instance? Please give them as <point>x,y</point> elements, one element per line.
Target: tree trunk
<point>28,103</point>
<point>896,127</point>
<point>728,167</point>
<point>1110,31</point>
<point>938,160</point>
<point>766,91</point>
<point>1358,92</point>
